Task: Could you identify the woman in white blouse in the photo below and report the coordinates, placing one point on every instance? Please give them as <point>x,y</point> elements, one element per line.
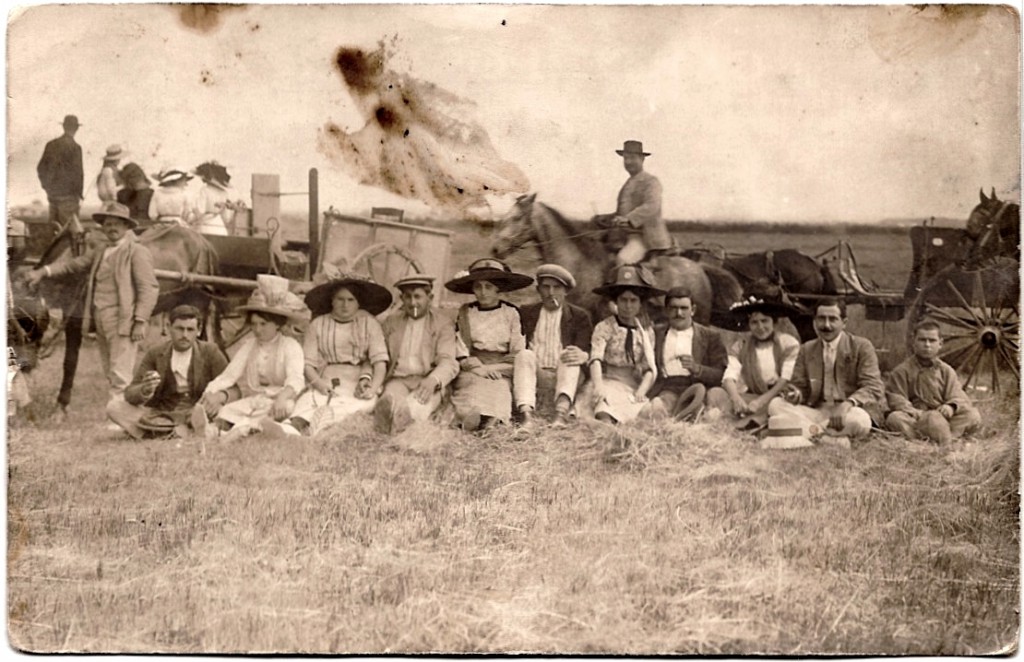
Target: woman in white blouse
<point>760,364</point>
<point>171,202</point>
<point>267,369</point>
<point>488,336</point>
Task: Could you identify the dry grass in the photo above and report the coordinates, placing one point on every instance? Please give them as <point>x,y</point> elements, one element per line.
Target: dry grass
<point>691,540</point>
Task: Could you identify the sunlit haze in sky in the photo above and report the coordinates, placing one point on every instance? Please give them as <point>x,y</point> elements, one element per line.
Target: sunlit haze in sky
<point>751,113</point>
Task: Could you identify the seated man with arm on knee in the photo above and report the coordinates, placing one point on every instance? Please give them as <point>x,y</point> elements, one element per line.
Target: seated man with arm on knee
<point>170,379</point>
<point>836,383</point>
<point>421,343</point>
<point>558,345</point>
<point>924,394</point>
<point>691,358</point>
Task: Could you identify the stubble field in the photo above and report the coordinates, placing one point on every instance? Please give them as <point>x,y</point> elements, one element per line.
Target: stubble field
<point>692,541</point>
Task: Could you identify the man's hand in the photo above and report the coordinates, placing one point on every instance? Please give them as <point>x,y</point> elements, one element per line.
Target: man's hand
<point>34,277</point>
<point>598,394</point>
<point>321,385</point>
<point>212,402</point>
<point>280,407</point>
<point>425,390</point>
<point>947,411</point>
<point>835,421</point>
<point>138,331</point>
<point>688,362</point>
<point>488,371</point>
<point>149,384</point>
<point>573,356</point>
<point>620,222</point>
<point>638,397</point>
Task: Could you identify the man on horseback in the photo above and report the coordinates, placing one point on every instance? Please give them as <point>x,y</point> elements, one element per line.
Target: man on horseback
<point>638,212</point>
<point>60,173</point>
<point>121,292</point>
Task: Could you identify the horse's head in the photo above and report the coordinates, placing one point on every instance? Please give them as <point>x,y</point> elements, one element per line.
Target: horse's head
<point>515,228</point>
<point>994,226</point>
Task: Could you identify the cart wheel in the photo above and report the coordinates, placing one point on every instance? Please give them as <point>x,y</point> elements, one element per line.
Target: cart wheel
<point>979,315</point>
<point>385,263</point>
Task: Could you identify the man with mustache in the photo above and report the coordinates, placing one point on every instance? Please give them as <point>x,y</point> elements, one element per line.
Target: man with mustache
<point>120,296</point>
<point>691,358</point>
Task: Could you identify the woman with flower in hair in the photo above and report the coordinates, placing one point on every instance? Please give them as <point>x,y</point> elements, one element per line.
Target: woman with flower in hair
<point>488,336</point>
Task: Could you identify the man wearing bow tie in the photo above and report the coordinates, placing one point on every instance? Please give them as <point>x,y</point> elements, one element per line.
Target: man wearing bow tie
<point>836,383</point>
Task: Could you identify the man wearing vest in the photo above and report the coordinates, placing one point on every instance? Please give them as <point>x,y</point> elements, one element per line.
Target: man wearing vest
<point>421,344</point>
<point>691,358</point>
<point>170,380</point>
<point>558,345</point>
<point>836,387</point>
<point>120,295</point>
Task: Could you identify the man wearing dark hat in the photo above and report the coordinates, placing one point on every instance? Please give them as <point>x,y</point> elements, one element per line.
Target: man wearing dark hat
<point>690,357</point>
<point>170,380</point>
<point>120,295</point>
<point>760,364</point>
<point>638,211</point>
<point>557,345</point>
<point>60,173</point>
<point>421,344</point>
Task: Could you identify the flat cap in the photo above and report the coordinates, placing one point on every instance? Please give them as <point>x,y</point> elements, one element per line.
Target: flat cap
<point>558,272</point>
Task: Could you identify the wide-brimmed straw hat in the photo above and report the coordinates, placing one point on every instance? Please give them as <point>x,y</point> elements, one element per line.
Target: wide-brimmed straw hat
<point>557,272</point>
<point>169,177</point>
<point>114,153</point>
<point>372,298</point>
<point>789,431</point>
<point>739,313</point>
<point>115,210</point>
<point>417,280</point>
<point>632,147</point>
<point>629,277</point>
<point>491,270</point>
<point>272,296</point>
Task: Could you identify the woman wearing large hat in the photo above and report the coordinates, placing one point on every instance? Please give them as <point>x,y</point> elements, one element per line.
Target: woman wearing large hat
<point>760,364</point>
<point>622,364</point>
<point>489,334</point>
<point>267,370</point>
<point>213,209</point>
<point>171,202</point>
<point>109,181</point>
<point>346,355</point>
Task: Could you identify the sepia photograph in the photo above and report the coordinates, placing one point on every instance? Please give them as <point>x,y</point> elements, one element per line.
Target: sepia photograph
<point>513,329</point>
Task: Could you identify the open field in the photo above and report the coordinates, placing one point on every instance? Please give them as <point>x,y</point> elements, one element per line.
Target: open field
<point>692,541</point>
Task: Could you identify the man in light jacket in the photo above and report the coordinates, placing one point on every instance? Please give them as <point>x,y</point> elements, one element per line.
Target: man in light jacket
<point>120,295</point>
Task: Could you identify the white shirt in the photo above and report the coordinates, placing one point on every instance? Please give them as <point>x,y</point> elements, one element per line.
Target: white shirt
<point>409,361</point>
<point>677,343</point>
<point>180,361</point>
<point>547,338</point>
<point>765,364</point>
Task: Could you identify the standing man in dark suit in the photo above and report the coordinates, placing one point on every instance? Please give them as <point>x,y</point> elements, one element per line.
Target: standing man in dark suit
<point>691,358</point>
<point>557,345</point>
<point>60,173</point>
<point>170,380</point>
<point>836,385</point>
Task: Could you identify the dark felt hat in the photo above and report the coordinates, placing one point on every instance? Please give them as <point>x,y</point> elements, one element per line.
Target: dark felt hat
<point>632,147</point>
<point>629,277</point>
<point>372,298</point>
<point>72,121</point>
<point>492,270</point>
<point>739,313</point>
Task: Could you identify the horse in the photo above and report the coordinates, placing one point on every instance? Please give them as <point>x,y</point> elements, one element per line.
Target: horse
<point>174,248</point>
<point>582,252</point>
<point>994,227</point>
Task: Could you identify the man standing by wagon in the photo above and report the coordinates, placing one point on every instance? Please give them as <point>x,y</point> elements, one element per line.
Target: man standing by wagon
<point>60,173</point>
<point>120,294</point>
<point>638,211</point>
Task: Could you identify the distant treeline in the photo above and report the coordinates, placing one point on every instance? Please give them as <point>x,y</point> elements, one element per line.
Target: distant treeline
<point>895,227</point>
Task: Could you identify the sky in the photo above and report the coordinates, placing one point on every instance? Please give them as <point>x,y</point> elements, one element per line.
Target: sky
<point>799,113</point>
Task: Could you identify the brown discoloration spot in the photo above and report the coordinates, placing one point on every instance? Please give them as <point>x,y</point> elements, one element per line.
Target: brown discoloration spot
<point>360,69</point>
<point>918,32</point>
<point>204,17</point>
<point>386,118</point>
<point>205,77</point>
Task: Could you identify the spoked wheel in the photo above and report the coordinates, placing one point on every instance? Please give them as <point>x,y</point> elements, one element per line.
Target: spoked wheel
<point>979,315</point>
<point>385,264</point>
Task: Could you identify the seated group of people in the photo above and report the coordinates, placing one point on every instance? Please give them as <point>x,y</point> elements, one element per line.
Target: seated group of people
<point>495,356</point>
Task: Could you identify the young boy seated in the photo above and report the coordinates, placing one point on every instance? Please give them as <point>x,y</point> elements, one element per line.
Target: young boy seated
<point>924,394</point>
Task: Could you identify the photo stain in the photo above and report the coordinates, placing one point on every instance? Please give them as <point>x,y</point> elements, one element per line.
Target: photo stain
<point>204,18</point>
<point>359,69</point>
<point>205,77</point>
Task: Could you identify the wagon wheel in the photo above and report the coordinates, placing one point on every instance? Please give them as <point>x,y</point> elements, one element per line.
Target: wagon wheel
<point>979,315</point>
<point>386,263</point>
